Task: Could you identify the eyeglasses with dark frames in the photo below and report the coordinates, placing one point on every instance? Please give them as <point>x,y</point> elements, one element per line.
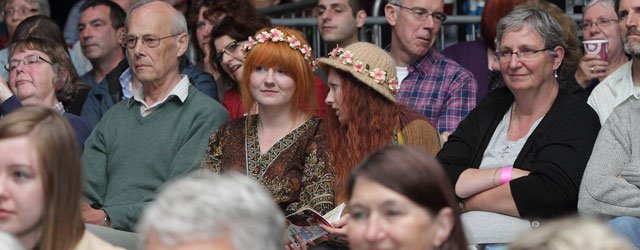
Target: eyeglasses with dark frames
<point>27,61</point>
<point>149,41</point>
<point>230,49</point>
<point>423,14</point>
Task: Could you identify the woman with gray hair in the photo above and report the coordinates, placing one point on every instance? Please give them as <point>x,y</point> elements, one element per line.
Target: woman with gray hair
<point>206,210</point>
<point>519,156</point>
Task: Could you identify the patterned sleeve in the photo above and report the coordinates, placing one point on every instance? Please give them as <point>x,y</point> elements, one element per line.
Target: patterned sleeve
<point>318,180</point>
<point>461,100</point>
<point>213,155</point>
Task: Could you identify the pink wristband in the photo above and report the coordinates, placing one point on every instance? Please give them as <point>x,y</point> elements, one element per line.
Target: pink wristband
<point>505,177</point>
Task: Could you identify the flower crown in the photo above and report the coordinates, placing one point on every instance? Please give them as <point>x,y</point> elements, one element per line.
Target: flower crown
<point>379,76</point>
<point>276,35</point>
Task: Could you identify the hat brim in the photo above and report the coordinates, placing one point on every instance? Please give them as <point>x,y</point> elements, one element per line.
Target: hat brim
<point>327,63</point>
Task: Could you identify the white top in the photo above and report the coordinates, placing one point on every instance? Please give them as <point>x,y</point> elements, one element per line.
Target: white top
<point>181,90</point>
<point>612,91</point>
<point>486,227</point>
<point>401,73</point>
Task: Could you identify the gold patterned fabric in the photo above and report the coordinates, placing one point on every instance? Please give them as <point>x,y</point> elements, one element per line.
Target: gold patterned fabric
<point>295,170</point>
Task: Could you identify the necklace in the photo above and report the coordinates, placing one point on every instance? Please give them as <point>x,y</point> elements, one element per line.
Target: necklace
<point>508,143</point>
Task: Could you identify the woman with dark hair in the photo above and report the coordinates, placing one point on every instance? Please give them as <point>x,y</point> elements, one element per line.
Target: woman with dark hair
<point>400,198</point>
<point>41,74</point>
<point>41,182</point>
<point>46,28</point>
<point>362,85</point>
<point>207,14</point>
<point>228,60</point>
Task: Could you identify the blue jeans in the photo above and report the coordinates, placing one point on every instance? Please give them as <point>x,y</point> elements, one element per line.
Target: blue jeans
<point>628,227</point>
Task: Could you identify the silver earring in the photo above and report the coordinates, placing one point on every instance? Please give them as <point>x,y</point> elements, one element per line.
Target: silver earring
<point>555,73</point>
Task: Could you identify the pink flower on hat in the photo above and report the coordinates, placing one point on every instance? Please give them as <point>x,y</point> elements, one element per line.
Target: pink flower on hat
<point>347,57</point>
<point>378,75</point>
<point>393,86</point>
<point>358,65</point>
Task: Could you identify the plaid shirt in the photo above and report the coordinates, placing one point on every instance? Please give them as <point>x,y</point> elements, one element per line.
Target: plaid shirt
<point>440,89</point>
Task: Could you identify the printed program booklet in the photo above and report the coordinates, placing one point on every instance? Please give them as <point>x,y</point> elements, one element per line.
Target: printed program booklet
<point>306,223</point>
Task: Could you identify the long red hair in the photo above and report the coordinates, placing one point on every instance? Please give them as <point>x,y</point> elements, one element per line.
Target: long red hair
<point>370,124</point>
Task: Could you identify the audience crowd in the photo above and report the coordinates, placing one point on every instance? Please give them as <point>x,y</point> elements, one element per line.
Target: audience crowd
<point>198,124</point>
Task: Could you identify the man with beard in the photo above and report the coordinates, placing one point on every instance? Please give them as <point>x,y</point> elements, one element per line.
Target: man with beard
<point>622,83</point>
<point>611,183</point>
<point>430,83</point>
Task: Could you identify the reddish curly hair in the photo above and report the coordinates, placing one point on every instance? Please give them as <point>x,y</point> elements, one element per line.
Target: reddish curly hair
<point>370,125</point>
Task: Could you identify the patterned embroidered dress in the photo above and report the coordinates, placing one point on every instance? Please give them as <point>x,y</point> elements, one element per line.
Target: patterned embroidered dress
<point>295,170</point>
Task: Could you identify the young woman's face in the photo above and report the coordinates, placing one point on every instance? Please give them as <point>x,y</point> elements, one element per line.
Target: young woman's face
<point>271,87</point>
<point>334,97</point>
<point>21,188</point>
<point>384,219</point>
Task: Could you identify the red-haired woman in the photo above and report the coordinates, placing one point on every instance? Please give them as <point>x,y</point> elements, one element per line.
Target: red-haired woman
<point>282,146</point>
<point>362,83</point>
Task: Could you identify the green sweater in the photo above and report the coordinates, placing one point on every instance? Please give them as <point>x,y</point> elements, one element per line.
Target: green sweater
<point>128,157</point>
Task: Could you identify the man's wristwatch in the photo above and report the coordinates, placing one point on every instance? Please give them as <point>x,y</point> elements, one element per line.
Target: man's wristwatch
<point>107,220</point>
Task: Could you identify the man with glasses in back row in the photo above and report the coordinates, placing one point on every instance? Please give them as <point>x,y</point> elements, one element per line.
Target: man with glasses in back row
<point>430,83</point>
<point>158,134</point>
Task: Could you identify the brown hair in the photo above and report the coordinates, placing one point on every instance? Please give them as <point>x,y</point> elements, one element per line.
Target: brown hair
<point>371,122</point>
<point>67,81</point>
<point>417,176</point>
<point>240,9</point>
<point>238,30</point>
<point>59,156</point>
<point>493,11</point>
<point>280,55</point>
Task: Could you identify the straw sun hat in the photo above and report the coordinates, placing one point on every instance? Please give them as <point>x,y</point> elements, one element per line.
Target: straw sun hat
<point>368,63</point>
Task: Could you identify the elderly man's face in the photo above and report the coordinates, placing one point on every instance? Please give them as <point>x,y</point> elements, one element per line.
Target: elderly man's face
<point>17,10</point>
<point>412,36</point>
<point>154,64</point>
<point>629,17</point>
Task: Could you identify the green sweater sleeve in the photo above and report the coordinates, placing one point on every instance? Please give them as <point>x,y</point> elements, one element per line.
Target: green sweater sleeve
<point>95,157</point>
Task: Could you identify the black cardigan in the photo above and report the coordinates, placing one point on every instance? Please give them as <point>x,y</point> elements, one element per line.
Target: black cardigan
<point>556,152</point>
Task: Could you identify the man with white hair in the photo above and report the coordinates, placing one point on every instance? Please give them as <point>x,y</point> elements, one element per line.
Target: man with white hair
<point>207,211</point>
<point>155,136</point>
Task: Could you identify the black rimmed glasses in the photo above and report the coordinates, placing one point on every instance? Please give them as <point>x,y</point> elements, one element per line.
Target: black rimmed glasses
<point>27,61</point>
<point>230,49</point>
<point>600,23</point>
<point>422,14</point>
<point>149,41</point>
<point>505,56</point>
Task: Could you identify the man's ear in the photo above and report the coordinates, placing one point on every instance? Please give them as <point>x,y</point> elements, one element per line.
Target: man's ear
<point>183,43</point>
<point>361,18</point>
<point>391,14</point>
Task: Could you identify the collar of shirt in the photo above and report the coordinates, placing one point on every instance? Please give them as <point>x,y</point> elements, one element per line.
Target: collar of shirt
<point>181,90</point>
<point>125,82</point>
<point>58,107</point>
